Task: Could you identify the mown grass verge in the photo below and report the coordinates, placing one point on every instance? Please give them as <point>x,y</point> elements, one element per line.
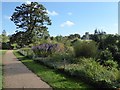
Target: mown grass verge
<point>54,78</point>
<point>2,52</point>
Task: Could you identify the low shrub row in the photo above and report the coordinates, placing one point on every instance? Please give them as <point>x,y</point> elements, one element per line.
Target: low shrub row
<point>89,70</point>
<point>54,78</point>
<point>100,71</point>
<point>46,49</point>
<point>27,52</point>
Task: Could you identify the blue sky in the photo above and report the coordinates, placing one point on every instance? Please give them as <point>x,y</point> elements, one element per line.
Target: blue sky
<point>71,17</point>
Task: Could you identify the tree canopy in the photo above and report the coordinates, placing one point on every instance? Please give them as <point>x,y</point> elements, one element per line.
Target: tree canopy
<point>3,37</point>
<point>33,19</point>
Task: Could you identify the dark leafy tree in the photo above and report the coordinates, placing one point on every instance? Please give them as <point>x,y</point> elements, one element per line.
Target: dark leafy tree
<point>32,18</point>
<point>52,38</point>
<point>19,38</point>
<point>104,56</point>
<point>59,38</point>
<point>74,36</point>
<point>99,37</point>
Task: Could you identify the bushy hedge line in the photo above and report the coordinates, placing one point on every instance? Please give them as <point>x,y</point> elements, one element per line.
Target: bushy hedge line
<point>89,70</point>
<point>46,49</point>
<point>85,49</point>
<point>55,56</point>
<point>27,52</point>
<point>96,73</point>
<point>6,46</point>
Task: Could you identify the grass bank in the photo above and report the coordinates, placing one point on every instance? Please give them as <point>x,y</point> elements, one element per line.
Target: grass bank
<point>52,77</point>
<point>2,52</point>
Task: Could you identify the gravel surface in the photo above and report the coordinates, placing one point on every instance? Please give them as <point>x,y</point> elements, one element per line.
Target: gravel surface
<point>17,75</point>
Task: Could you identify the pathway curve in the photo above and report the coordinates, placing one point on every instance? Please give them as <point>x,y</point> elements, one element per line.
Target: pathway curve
<point>17,75</point>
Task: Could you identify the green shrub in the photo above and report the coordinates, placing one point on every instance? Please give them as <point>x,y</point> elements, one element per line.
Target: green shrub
<point>113,48</point>
<point>104,56</point>
<point>111,64</point>
<point>14,45</point>
<point>26,52</point>
<point>57,57</point>
<point>46,49</point>
<point>91,70</point>
<point>56,60</point>
<point>60,57</point>
<point>85,49</point>
<point>117,57</point>
<point>6,45</point>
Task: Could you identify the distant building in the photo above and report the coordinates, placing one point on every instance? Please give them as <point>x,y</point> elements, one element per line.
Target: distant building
<point>87,36</point>
<point>119,17</point>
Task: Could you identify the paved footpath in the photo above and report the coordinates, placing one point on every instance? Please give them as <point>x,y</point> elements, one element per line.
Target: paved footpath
<point>17,75</point>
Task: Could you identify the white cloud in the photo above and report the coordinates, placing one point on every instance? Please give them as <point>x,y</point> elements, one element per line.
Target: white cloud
<point>28,2</point>
<point>7,17</point>
<point>52,13</point>
<point>67,23</point>
<point>69,13</point>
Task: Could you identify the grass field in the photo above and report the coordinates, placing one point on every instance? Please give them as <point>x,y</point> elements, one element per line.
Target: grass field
<point>2,52</point>
<point>52,77</point>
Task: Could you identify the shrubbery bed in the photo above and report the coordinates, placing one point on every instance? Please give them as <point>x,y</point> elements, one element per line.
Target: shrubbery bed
<point>90,70</point>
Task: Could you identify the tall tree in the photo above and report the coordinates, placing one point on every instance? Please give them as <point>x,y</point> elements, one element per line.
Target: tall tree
<point>4,33</point>
<point>4,36</point>
<point>32,18</point>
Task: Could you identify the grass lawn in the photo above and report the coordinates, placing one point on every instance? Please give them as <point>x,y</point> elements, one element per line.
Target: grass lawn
<point>52,77</point>
<point>2,52</point>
